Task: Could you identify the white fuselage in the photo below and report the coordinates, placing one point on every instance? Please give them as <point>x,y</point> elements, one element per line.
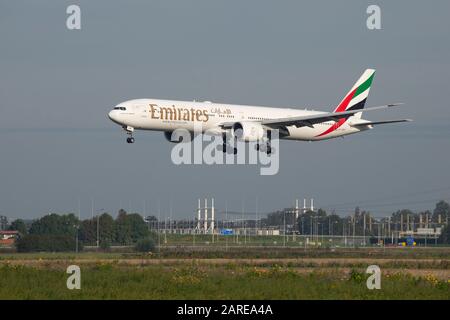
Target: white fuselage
<point>168,115</point>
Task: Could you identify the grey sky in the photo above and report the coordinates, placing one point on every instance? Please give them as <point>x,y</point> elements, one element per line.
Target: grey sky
<point>56,87</point>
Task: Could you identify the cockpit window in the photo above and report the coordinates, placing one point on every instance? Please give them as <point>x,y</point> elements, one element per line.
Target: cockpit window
<point>120,108</point>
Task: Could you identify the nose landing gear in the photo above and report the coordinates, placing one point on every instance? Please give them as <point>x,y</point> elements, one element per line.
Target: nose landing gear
<point>129,130</point>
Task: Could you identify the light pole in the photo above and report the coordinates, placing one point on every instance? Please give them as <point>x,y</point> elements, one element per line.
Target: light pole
<point>350,223</point>
<point>98,226</point>
<point>364,229</point>
<point>78,225</point>
<point>332,227</point>
<point>332,230</point>
<point>379,234</point>
<point>284,223</point>
<point>329,226</point>
<point>159,226</point>
<point>193,234</point>
<point>165,229</point>
<point>98,229</point>
<point>317,230</point>
<point>321,225</point>
<point>76,238</point>
<point>343,233</point>
<point>354,226</point>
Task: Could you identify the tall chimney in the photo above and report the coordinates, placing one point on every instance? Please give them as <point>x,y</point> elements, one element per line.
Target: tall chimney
<point>312,204</point>
<point>296,208</point>
<point>304,205</point>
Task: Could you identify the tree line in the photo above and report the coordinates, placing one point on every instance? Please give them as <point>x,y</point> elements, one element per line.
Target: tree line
<point>66,232</point>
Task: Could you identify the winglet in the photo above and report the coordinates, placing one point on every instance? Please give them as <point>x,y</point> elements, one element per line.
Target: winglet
<point>395,104</point>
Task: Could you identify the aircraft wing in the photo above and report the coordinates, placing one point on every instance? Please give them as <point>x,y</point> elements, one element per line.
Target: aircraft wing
<point>363,124</point>
<point>309,121</point>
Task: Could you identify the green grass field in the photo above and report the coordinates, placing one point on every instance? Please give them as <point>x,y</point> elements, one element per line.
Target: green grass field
<point>210,252</point>
<point>230,281</point>
<point>229,273</point>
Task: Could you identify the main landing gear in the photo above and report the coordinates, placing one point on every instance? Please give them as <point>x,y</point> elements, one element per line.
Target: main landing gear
<point>226,148</point>
<point>267,147</point>
<point>129,130</point>
<point>263,147</point>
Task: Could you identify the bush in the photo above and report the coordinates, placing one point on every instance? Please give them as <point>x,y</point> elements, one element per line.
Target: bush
<point>357,276</point>
<point>145,245</point>
<point>44,242</point>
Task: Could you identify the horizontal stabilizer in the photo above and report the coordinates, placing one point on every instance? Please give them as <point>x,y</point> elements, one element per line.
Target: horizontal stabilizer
<point>363,124</point>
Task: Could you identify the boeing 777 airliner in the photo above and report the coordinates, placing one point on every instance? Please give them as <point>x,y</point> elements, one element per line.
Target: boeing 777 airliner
<point>251,123</point>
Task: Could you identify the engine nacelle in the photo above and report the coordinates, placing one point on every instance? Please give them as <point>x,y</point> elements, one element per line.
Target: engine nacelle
<point>248,131</point>
<point>177,137</point>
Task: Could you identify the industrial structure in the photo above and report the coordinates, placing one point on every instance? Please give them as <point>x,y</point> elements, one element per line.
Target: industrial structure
<point>206,222</point>
<point>305,222</point>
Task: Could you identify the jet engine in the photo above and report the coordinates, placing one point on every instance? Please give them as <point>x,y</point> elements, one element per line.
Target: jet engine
<point>177,137</point>
<point>248,131</point>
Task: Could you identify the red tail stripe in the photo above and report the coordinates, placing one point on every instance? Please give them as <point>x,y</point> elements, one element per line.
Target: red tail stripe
<point>343,105</point>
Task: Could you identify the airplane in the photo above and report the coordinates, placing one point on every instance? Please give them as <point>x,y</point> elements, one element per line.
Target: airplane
<point>251,123</point>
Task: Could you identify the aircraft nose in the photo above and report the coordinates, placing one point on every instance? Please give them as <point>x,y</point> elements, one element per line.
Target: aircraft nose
<point>113,116</point>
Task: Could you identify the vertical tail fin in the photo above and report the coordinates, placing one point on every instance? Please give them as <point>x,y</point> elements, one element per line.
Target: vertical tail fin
<point>356,98</point>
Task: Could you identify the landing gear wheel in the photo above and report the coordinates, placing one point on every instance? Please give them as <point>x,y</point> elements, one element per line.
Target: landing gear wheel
<point>226,148</point>
<point>230,150</point>
<point>130,140</point>
<point>268,146</point>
